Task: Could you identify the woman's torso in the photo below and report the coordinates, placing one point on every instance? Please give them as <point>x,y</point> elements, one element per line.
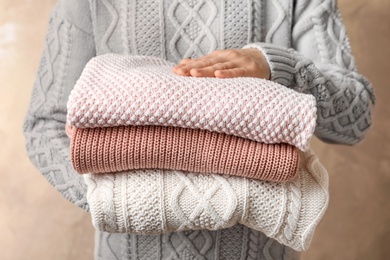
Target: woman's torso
<point>189,28</point>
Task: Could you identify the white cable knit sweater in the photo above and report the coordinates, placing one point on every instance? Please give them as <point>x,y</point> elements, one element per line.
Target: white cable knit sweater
<point>160,201</point>
<point>304,41</point>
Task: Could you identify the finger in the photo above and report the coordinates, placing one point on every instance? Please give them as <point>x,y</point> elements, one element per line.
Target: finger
<point>209,71</point>
<point>178,66</point>
<point>181,71</point>
<point>182,63</point>
<point>200,63</point>
<point>184,69</point>
<point>186,65</point>
<point>230,73</point>
<point>185,61</point>
<point>177,69</point>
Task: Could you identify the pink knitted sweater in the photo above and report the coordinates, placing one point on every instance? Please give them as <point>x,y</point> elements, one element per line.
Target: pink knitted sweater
<point>116,90</point>
<point>114,149</point>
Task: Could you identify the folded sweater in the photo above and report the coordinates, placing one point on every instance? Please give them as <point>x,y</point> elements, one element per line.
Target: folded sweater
<point>115,149</point>
<point>116,90</point>
<point>160,201</point>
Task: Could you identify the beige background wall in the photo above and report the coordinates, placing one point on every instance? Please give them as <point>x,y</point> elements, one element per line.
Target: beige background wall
<point>37,223</point>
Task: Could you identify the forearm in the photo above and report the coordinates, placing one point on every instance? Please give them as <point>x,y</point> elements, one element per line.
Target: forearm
<point>324,66</point>
<point>67,49</point>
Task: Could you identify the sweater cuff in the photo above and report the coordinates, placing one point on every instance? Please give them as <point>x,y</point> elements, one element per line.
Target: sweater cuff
<point>280,61</point>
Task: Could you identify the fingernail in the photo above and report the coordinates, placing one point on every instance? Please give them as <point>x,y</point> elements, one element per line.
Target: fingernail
<point>183,71</point>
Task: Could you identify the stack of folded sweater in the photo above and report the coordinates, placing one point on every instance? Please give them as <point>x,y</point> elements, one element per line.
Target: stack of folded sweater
<point>166,153</point>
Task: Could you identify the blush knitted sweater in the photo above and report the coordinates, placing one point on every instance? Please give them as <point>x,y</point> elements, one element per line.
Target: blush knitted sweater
<point>116,90</point>
<point>116,149</point>
<point>304,41</point>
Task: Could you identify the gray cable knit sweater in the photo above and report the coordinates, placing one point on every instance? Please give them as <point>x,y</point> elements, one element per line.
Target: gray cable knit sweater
<point>304,41</point>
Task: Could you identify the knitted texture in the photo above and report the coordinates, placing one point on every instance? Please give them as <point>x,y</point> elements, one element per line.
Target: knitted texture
<point>160,201</point>
<point>81,29</point>
<point>237,242</point>
<point>116,90</point>
<point>113,149</point>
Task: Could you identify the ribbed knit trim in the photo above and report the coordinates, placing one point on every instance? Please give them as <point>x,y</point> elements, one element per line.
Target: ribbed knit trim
<point>280,61</point>
<point>114,149</point>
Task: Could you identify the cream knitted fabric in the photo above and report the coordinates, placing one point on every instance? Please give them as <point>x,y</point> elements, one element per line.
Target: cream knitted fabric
<point>116,90</point>
<point>160,201</point>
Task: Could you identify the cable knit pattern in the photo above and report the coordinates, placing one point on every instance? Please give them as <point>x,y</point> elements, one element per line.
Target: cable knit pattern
<point>116,90</point>
<point>47,147</point>
<point>257,25</point>
<point>81,29</point>
<point>163,201</point>
<point>344,98</point>
<point>281,18</point>
<point>114,149</point>
<point>197,244</point>
<point>192,20</point>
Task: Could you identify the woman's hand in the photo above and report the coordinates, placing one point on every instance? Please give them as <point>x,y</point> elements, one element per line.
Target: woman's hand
<point>226,64</point>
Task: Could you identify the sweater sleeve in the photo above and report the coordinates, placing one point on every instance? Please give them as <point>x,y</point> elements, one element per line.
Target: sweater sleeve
<point>321,63</point>
<point>68,47</point>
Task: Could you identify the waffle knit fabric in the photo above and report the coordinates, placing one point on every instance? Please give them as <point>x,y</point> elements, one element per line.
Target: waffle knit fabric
<point>115,149</point>
<point>161,201</point>
<point>307,47</point>
<point>116,90</point>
